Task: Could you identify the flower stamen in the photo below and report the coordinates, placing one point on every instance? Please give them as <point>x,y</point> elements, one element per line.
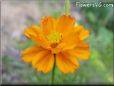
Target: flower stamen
<point>54,37</point>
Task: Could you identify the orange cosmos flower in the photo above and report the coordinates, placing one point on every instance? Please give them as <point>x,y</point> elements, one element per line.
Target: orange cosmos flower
<point>57,37</point>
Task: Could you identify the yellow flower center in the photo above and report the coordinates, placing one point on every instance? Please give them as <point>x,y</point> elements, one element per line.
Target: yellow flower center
<point>54,37</point>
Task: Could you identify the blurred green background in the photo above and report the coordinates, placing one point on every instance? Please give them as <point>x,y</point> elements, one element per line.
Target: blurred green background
<point>17,15</point>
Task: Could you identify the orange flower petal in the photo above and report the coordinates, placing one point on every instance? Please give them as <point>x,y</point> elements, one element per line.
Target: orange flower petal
<point>31,53</point>
<point>64,23</point>
<point>35,34</point>
<point>81,51</point>
<point>44,62</point>
<point>70,40</point>
<point>48,24</point>
<point>83,33</point>
<point>66,63</point>
<point>41,58</point>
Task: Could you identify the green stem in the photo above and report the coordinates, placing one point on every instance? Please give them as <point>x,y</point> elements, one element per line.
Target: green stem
<point>53,71</point>
<point>67,7</point>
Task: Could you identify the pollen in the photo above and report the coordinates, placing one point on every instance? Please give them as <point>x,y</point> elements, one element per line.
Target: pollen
<point>54,37</point>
